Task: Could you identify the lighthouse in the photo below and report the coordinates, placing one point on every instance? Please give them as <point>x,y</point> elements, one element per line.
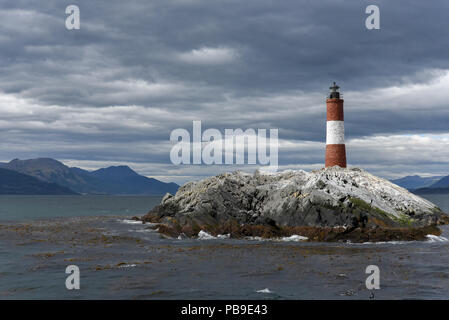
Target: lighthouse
<point>335,130</point>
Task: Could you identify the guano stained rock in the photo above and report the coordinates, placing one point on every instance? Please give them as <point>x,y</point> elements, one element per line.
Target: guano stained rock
<point>330,204</point>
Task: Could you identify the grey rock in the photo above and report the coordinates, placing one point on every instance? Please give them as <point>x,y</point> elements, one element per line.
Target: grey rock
<point>330,197</point>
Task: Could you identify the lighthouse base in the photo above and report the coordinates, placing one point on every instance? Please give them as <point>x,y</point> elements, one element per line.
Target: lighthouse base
<point>335,155</point>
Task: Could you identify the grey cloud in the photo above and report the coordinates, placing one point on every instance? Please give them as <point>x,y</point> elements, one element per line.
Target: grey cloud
<point>138,69</point>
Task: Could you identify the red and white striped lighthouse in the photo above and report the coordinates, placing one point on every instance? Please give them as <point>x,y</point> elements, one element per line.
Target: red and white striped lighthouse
<point>335,130</point>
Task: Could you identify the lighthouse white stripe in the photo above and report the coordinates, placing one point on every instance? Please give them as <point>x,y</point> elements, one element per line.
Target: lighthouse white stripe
<point>335,132</point>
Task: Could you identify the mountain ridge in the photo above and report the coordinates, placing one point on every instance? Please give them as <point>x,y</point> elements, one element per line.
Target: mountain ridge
<point>13,182</point>
<point>416,182</point>
<point>442,183</point>
<point>120,180</point>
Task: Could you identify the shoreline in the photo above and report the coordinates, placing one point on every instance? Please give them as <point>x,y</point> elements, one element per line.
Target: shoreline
<point>312,233</point>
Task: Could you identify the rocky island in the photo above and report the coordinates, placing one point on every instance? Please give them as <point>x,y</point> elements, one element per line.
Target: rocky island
<point>330,204</point>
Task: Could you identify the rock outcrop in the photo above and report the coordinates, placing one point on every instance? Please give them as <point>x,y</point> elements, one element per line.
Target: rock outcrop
<point>330,204</point>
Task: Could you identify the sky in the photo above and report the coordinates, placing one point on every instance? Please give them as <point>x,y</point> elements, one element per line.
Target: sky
<point>112,92</point>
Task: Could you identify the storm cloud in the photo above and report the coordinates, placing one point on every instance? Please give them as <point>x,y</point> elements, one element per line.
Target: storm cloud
<point>113,91</point>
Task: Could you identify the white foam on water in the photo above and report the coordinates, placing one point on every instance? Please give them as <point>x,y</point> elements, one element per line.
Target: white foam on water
<point>128,221</point>
<point>266,290</point>
<point>128,266</point>
<point>433,238</point>
<point>294,237</point>
<point>430,238</point>
<point>203,235</point>
<point>381,242</point>
<point>255,238</point>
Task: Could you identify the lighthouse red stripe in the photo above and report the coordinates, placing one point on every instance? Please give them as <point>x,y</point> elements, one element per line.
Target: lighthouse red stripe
<point>335,155</point>
<point>335,110</point>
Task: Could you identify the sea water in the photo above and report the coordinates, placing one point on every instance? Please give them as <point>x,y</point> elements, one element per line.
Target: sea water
<point>120,258</point>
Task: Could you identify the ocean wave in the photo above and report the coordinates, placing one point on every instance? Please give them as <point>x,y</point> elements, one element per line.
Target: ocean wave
<point>430,238</point>
<point>127,266</point>
<point>266,290</point>
<point>203,235</point>
<point>381,242</point>
<point>433,238</point>
<point>128,221</point>
<point>256,238</point>
<point>294,237</point>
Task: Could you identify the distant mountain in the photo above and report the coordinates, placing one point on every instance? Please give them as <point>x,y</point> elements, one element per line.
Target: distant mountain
<point>122,179</point>
<point>442,183</point>
<point>115,173</point>
<point>53,171</point>
<point>111,180</point>
<point>13,182</point>
<point>439,187</point>
<point>416,182</point>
